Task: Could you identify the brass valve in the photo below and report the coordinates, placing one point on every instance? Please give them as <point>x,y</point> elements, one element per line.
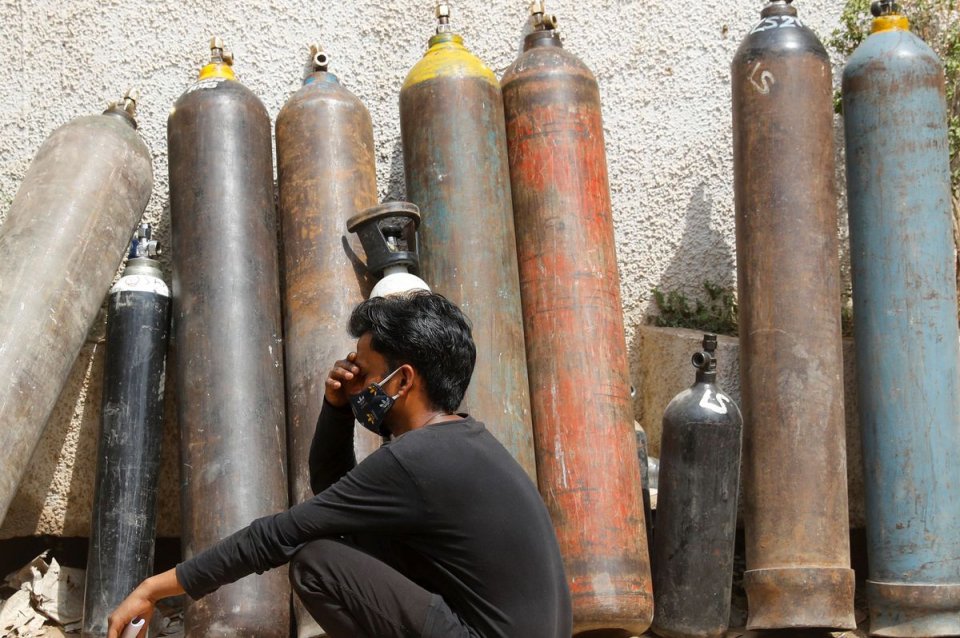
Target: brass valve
<point>542,21</point>
<point>219,52</point>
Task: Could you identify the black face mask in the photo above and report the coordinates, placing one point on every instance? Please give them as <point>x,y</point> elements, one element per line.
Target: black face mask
<point>372,404</point>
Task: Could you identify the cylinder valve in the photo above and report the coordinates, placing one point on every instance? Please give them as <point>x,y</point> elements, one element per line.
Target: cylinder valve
<point>388,233</point>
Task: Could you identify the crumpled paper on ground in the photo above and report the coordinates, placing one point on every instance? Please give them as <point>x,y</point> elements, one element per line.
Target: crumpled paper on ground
<point>46,594</point>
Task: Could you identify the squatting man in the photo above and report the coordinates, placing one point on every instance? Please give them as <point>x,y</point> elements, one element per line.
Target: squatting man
<point>439,533</point>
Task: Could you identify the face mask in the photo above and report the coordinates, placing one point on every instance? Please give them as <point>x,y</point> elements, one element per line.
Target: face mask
<point>371,406</point>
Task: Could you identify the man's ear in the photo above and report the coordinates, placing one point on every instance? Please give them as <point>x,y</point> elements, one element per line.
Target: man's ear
<point>407,376</point>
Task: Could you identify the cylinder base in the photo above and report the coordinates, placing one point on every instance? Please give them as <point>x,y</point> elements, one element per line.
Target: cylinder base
<point>679,631</point>
<point>625,612</point>
<point>907,610</point>
<point>800,597</point>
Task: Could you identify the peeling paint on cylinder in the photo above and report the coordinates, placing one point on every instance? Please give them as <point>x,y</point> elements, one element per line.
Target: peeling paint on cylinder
<point>60,246</point>
<point>905,310</point>
<point>326,174</point>
<point>795,488</point>
<point>227,343</point>
<point>570,289</point>
<point>455,160</point>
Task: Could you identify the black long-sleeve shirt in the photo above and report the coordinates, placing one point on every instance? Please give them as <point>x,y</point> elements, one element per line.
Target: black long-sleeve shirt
<point>449,496</point>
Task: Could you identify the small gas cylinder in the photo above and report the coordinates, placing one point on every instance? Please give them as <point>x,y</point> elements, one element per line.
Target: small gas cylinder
<point>124,516</point>
<point>697,507</point>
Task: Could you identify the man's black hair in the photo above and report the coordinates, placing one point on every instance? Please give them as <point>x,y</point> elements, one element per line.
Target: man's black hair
<point>427,331</point>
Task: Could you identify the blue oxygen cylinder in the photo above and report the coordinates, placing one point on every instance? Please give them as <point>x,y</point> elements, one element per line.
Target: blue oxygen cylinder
<point>905,316</point>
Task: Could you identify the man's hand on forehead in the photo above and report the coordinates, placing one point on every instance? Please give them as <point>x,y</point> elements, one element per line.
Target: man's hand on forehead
<point>341,380</point>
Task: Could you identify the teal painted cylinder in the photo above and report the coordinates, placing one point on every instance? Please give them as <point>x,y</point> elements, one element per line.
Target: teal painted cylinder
<point>905,316</point>
<point>457,172</point>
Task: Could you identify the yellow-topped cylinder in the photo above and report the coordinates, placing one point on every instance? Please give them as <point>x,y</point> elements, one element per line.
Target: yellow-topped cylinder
<point>221,62</point>
<point>223,219</point>
<point>447,57</point>
<point>457,173</point>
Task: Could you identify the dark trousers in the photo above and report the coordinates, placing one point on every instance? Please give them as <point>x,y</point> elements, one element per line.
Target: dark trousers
<point>358,590</point>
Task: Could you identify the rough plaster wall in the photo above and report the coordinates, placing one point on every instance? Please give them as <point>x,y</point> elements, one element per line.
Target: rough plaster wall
<point>663,73</point>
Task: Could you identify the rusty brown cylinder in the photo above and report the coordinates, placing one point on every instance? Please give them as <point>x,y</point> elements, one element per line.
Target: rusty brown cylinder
<point>455,159</point>
<point>326,174</point>
<point>795,477</point>
<point>584,435</point>
<point>227,335</point>
<point>60,246</point>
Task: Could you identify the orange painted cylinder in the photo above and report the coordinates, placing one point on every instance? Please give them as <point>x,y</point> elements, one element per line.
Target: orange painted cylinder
<point>573,326</point>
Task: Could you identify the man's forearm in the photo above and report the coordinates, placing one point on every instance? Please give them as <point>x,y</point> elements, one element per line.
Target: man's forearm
<point>161,586</point>
<point>331,452</point>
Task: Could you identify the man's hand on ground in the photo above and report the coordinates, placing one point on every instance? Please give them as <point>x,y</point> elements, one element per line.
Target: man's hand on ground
<point>141,602</point>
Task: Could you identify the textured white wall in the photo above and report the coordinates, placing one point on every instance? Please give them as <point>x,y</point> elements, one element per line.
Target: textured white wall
<point>663,69</point>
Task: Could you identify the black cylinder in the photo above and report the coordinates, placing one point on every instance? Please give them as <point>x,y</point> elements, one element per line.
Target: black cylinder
<point>227,340</point>
<point>123,524</point>
<point>697,507</point>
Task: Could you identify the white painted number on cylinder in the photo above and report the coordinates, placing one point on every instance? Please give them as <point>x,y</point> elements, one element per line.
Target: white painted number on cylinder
<point>778,22</point>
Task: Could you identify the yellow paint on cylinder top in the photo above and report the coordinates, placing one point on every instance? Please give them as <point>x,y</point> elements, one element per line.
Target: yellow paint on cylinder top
<point>447,57</point>
<point>217,70</point>
<point>893,22</point>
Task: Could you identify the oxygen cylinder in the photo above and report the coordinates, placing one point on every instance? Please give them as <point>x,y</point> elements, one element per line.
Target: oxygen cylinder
<point>585,441</point>
<point>326,173</point>
<point>128,460</point>
<point>455,160</point>
<point>697,507</point>
<point>796,519</point>
<point>226,309</point>
<point>905,306</point>
<point>60,246</point>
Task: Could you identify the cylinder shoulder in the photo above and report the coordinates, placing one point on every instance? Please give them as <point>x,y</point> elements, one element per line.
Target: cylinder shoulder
<point>314,95</point>
<point>703,403</point>
<point>782,36</point>
<point>893,51</point>
<point>141,282</point>
<point>98,128</point>
<point>202,93</point>
<point>447,61</point>
<point>547,61</point>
